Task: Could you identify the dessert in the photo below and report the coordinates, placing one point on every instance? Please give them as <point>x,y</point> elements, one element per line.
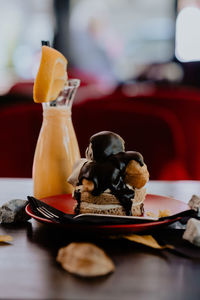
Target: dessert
<point>109,180</point>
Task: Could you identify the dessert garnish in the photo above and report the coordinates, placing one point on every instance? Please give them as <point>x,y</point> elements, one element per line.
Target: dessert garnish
<point>51,76</point>
<point>85,260</point>
<point>109,180</point>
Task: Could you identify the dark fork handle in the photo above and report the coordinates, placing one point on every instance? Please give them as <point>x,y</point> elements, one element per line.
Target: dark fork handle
<point>187,213</point>
<point>62,217</point>
<point>34,206</point>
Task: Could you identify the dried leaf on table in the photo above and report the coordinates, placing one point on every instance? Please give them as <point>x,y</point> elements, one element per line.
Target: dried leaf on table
<point>85,259</point>
<point>5,238</point>
<point>147,240</point>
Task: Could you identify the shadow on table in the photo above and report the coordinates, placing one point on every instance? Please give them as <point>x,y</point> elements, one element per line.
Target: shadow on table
<point>53,238</point>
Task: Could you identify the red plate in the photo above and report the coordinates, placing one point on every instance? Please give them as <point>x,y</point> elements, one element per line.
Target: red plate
<point>152,203</point>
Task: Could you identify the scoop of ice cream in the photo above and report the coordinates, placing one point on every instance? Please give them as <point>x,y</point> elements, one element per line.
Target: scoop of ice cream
<point>104,144</point>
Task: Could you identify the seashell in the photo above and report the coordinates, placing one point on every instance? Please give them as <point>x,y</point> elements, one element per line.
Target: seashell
<point>85,259</point>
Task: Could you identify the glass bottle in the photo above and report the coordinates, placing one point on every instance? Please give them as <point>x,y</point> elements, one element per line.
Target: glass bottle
<point>57,147</point>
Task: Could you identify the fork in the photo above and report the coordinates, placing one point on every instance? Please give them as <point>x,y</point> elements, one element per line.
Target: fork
<point>48,211</point>
<point>48,214</point>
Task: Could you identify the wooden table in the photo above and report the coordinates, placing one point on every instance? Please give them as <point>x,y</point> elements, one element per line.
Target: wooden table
<point>28,269</point>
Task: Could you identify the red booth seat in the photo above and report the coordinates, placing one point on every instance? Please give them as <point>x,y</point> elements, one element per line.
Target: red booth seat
<point>163,125</point>
<point>19,129</point>
<point>184,102</point>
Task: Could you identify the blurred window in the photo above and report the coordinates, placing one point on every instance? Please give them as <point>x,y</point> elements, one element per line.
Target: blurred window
<point>115,38</point>
<point>187,31</point>
<point>23,24</point>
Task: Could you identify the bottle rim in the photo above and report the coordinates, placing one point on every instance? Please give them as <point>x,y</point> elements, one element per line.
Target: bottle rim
<point>72,83</point>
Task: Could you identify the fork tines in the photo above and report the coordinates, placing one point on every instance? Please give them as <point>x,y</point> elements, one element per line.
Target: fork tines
<point>48,214</point>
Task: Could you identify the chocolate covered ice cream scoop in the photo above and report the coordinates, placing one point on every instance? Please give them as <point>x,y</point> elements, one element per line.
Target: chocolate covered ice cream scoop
<point>104,144</point>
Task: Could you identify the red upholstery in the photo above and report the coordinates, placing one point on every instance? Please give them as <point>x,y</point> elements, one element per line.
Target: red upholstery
<point>163,124</point>
<point>25,88</point>
<point>20,125</point>
<point>185,104</point>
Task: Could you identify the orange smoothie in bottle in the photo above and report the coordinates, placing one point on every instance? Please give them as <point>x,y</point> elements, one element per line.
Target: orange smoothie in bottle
<point>57,147</point>
<point>56,152</point>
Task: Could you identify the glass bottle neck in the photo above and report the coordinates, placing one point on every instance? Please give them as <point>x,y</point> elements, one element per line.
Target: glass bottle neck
<point>66,97</point>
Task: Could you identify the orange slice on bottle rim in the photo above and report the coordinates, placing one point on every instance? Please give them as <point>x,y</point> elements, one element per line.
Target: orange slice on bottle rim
<point>51,76</point>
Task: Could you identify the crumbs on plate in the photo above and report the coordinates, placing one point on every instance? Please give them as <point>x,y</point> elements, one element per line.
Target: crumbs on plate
<point>162,213</point>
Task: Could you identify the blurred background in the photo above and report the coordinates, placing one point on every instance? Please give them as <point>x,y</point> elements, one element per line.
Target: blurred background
<point>139,65</point>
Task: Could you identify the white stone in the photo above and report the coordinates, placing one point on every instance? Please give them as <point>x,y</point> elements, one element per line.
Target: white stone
<point>192,232</point>
<point>194,202</point>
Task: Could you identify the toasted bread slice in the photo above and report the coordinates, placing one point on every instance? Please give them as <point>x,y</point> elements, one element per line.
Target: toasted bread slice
<point>107,203</point>
<point>106,209</point>
<point>104,198</point>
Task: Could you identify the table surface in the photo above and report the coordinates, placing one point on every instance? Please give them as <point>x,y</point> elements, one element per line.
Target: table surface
<point>28,267</point>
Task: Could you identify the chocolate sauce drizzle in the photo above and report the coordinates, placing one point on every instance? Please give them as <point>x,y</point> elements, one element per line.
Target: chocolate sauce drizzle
<point>107,170</point>
<point>104,144</point>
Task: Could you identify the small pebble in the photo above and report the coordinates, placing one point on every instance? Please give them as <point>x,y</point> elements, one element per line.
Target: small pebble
<point>192,232</point>
<point>13,211</point>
